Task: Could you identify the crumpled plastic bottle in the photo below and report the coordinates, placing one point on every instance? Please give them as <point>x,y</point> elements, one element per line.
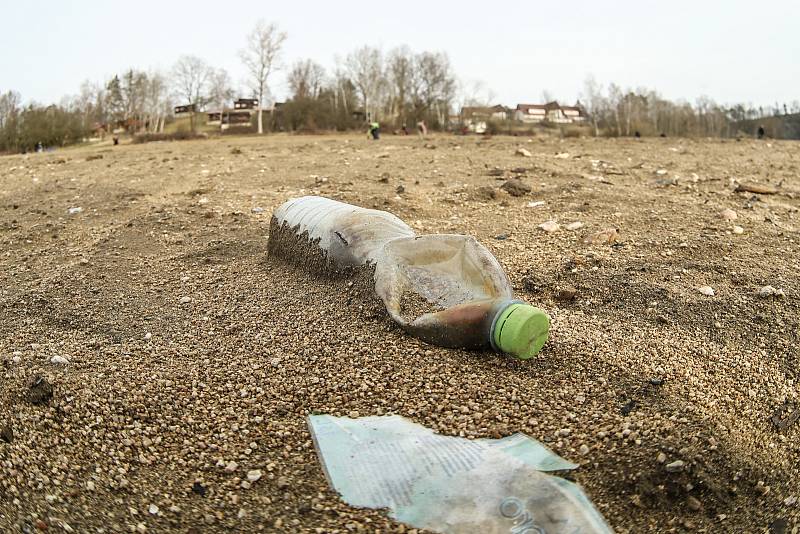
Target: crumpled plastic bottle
<point>445,289</point>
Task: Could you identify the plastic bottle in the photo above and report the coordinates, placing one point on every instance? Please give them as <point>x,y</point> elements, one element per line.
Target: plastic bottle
<point>446,289</point>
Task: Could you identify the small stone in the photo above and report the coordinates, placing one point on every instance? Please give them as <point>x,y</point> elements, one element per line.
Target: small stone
<point>74,211</point>
<point>283,482</point>
<point>738,230</point>
<point>661,172</point>
<point>50,499</point>
<point>148,336</point>
<point>706,290</point>
<point>675,467</point>
<point>254,475</point>
<point>515,188</point>
<point>199,489</point>
<point>186,300</point>
<point>536,204</point>
<point>584,449</point>
<point>400,189</point>
<point>693,503</point>
<point>523,152</point>
<point>275,362</point>
<point>153,509</point>
<point>6,433</point>
<point>603,237</point>
<point>728,214</point>
<point>661,458</point>
<point>550,226</point>
<point>354,414</point>
<point>40,391</point>
<point>241,513</point>
<point>141,528</point>
<point>769,291</point>
<point>245,484</point>
<point>90,485</point>
<point>59,360</point>
<point>257,209</point>
<point>231,466</point>
<point>574,226</point>
<point>16,359</point>
<point>791,500</point>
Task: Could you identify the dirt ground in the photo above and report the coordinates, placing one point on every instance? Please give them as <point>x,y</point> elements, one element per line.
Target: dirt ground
<point>193,358</point>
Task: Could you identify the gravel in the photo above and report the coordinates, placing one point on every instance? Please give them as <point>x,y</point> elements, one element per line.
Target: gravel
<point>134,422</point>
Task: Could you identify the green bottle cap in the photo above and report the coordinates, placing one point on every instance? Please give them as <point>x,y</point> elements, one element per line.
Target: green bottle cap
<point>521,330</point>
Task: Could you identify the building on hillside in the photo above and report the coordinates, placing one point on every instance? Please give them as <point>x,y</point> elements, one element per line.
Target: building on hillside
<point>229,118</point>
<point>245,103</point>
<point>184,110</point>
<point>551,112</point>
<point>476,118</point>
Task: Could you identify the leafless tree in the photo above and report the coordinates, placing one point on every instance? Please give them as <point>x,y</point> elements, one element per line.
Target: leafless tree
<point>261,56</point>
<point>364,67</point>
<point>400,71</point>
<point>191,76</point>
<point>306,79</point>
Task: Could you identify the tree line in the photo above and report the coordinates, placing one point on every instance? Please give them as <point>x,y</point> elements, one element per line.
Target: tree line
<point>398,88</point>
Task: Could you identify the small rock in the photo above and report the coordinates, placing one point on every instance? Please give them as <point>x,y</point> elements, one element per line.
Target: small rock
<point>90,485</point>
<point>728,214</point>
<point>245,484</point>
<point>738,230</point>
<point>515,187</point>
<point>6,433</point>
<point>574,225</point>
<point>283,482</point>
<point>257,209</point>
<point>148,336</point>
<point>584,449</point>
<point>693,503</point>
<point>562,155</point>
<point>536,204</point>
<point>354,414</point>
<point>661,458</point>
<point>16,359</point>
<point>566,295</point>
<point>40,391</point>
<point>706,290</point>
<point>769,291</point>
<point>661,172</point>
<point>550,226</point>
<point>791,500</point>
<point>523,152</point>
<point>400,189</point>
<point>74,211</point>
<point>231,466</point>
<point>153,509</point>
<point>603,237</point>
<point>59,360</point>
<point>675,467</point>
<point>501,237</point>
<point>254,475</point>
<point>199,489</point>
<point>186,300</point>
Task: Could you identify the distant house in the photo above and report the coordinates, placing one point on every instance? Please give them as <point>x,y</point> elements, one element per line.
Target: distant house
<point>245,103</point>
<point>229,118</point>
<point>475,118</point>
<point>183,110</point>
<point>551,112</point>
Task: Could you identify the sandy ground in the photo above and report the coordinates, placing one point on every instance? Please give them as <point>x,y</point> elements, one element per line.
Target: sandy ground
<point>193,358</point>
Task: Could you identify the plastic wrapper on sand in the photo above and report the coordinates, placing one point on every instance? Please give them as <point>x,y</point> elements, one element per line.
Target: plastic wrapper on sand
<point>451,484</point>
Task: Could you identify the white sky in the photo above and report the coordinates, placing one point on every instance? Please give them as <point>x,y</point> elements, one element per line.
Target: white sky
<point>732,51</point>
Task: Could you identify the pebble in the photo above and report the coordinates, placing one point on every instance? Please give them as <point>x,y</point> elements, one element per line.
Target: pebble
<point>675,467</point>
<point>523,152</point>
<point>738,230</point>
<point>59,360</point>
<point>231,466</point>
<point>75,211</point>
<point>148,336</point>
<point>536,204</point>
<point>16,359</point>
<point>90,485</point>
<point>661,458</point>
<point>706,290</point>
<point>153,509</point>
<point>584,449</point>
<point>254,475</point>
<point>574,225</point>
<point>769,291</point>
<point>728,214</point>
<point>550,226</point>
<point>257,209</point>
<point>186,300</point>
<point>693,503</point>
<point>603,237</point>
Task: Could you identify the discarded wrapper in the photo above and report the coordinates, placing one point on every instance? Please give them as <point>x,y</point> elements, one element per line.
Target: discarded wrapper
<point>451,484</point>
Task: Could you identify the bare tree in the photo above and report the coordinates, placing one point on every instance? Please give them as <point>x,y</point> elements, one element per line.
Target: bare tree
<point>592,97</point>
<point>261,57</point>
<point>364,67</point>
<point>306,79</point>
<point>400,71</point>
<point>191,77</point>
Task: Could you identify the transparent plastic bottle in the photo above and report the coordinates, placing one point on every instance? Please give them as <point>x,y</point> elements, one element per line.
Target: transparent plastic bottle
<point>446,289</point>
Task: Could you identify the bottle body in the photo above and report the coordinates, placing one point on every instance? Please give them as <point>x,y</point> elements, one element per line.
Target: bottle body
<point>445,289</point>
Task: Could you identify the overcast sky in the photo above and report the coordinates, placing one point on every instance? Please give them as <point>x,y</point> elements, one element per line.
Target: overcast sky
<point>732,51</point>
